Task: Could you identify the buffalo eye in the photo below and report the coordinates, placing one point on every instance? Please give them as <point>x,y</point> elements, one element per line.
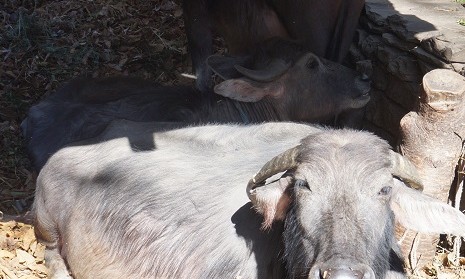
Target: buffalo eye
<point>302,184</point>
<point>312,62</point>
<point>386,190</point>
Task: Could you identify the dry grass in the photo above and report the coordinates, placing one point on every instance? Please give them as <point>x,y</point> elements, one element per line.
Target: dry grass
<point>43,44</point>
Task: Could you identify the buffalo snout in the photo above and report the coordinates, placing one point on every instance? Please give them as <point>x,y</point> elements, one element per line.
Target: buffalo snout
<point>363,88</point>
<point>345,269</point>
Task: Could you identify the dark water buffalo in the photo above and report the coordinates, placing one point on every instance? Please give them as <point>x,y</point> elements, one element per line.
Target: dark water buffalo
<point>181,210</point>
<point>84,107</point>
<point>324,27</point>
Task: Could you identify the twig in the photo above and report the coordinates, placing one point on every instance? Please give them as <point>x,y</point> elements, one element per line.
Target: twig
<point>163,41</point>
<point>4,181</point>
<point>413,254</point>
<point>188,76</point>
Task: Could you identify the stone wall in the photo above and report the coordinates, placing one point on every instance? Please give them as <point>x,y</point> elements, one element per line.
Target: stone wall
<point>405,39</point>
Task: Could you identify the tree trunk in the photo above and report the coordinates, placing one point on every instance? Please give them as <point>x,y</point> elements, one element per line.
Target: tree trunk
<point>432,137</point>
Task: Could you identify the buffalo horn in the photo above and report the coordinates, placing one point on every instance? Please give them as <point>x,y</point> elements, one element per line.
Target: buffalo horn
<point>276,68</point>
<point>284,161</point>
<point>404,169</point>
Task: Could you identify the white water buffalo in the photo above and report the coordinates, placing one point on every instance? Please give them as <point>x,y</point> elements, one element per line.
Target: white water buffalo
<point>310,90</point>
<point>175,203</point>
<point>324,27</point>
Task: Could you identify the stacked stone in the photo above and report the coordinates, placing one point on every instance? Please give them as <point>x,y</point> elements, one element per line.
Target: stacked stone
<point>405,40</point>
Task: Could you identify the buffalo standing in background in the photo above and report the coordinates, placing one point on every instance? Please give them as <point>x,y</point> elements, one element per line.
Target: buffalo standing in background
<point>298,87</point>
<point>324,27</point>
<point>176,206</point>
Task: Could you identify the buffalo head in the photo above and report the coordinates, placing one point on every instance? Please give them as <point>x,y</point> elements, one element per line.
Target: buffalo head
<point>300,85</point>
<point>338,201</point>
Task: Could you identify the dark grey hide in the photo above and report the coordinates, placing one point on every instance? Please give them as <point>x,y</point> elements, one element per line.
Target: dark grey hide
<point>84,107</point>
<point>324,27</point>
<point>181,210</point>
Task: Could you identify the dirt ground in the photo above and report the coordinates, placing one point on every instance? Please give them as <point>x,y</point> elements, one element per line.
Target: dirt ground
<point>43,44</point>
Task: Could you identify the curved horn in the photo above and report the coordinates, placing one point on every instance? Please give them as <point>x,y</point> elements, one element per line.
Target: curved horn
<point>405,170</point>
<point>276,68</point>
<point>282,162</point>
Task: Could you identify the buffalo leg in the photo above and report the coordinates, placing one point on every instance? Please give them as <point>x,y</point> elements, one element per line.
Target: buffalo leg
<point>47,233</point>
<point>56,265</point>
<point>200,40</point>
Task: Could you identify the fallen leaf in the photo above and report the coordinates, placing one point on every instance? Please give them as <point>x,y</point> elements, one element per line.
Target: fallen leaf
<point>28,237</point>
<point>8,225</point>
<point>41,268</point>
<point>40,252</point>
<point>448,276</point>
<point>24,257</point>
<point>6,254</point>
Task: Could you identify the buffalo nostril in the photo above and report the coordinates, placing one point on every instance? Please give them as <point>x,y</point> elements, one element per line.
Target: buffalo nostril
<point>342,273</point>
<point>365,77</point>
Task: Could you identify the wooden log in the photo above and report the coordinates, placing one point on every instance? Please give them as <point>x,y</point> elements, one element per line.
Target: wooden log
<point>431,137</point>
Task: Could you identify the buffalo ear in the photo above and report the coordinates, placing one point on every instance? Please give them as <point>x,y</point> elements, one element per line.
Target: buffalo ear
<point>246,90</point>
<point>272,200</point>
<point>225,66</point>
<point>419,212</point>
